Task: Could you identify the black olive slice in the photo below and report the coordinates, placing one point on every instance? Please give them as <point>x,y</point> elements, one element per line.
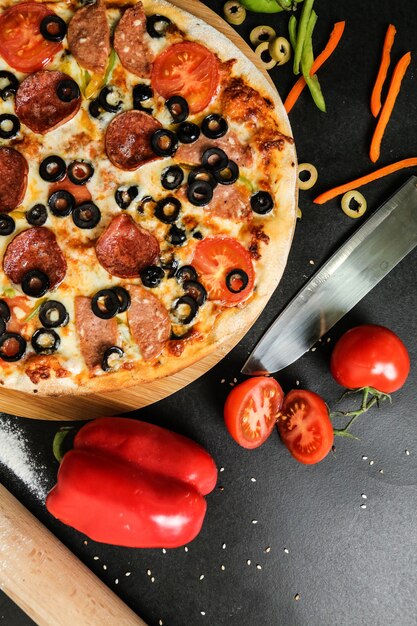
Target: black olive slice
<point>147,205</point>
<point>8,84</point>
<point>123,297</point>
<point>52,169</point>
<point>86,215</point>
<point>164,142</point>
<point>200,173</point>
<point>236,280</point>
<point>157,25</point>
<point>4,311</point>
<point>12,347</point>
<point>124,196</point>
<point>214,159</point>
<point>35,283</point>
<point>80,172</point>
<point>178,108</point>
<point>9,126</point>
<point>53,314</point>
<point>172,177</point>
<point>140,107</point>
<point>37,215</point>
<point>152,276</point>
<point>94,108</point>
<point>168,209</point>
<point>141,92</point>
<point>110,356</point>
<point>108,99</point>
<point>177,236</point>
<point>214,126</point>
<point>61,203</point>
<point>7,225</point>
<point>200,193</point>
<point>261,202</point>
<point>169,264</point>
<point>2,326</point>
<point>186,273</point>
<point>45,341</point>
<point>67,90</point>
<point>196,290</point>
<point>187,132</point>
<point>105,304</point>
<point>185,309</point>
<point>53,28</point>
<point>198,235</point>
<point>228,175</point>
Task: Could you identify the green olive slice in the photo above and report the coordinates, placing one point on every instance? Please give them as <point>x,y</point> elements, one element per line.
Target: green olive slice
<point>262,33</point>
<point>307,182</point>
<point>262,50</point>
<point>234,12</point>
<point>354,204</point>
<point>280,50</point>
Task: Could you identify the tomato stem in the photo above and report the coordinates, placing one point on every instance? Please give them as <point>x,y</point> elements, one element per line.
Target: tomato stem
<point>370,398</point>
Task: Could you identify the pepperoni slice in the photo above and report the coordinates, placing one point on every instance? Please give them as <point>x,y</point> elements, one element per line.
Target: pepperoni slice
<point>89,37</point>
<point>13,179</point>
<point>148,321</point>
<point>235,150</point>
<point>125,248</point>
<point>130,42</point>
<point>95,334</point>
<point>35,249</point>
<point>128,139</point>
<point>80,192</point>
<point>38,105</point>
<point>231,202</point>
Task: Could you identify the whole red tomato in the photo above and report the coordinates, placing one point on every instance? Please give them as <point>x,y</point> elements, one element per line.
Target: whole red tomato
<point>370,356</point>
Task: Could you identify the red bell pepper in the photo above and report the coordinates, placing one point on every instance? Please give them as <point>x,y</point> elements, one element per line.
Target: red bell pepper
<point>133,484</point>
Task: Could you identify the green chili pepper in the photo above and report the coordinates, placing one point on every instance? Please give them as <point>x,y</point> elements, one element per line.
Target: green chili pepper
<point>292,30</point>
<point>34,311</point>
<point>269,6</point>
<point>110,66</point>
<point>307,59</point>
<point>301,33</point>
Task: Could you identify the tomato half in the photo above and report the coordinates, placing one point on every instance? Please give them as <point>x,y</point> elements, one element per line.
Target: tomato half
<point>225,268</point>
<point>305,426</point>
<point>251,410</point>
<point>21,44</point>
<point>189,70</point>
<point>370,356</point>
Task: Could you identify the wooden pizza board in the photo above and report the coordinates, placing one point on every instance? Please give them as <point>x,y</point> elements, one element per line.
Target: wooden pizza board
<point>95,405</point>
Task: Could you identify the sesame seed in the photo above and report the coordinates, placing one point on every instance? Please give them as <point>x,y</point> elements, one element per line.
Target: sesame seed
<point>248,561</point>
<point>222,567</point>
<point>221,469</point>
<point>381,471</point>
<point>202,577</point>
<point>297,597</point>
<point>371,462</point>
<point>286,551</point>
<point>311,262</point>
<point>149,572</point>
<point>253,480</point>
<point>160,622</point>
<point>85,543</point>
<point>297,382</point>
<point>364,496</point>
<point>268,549</point>
<point>231,384</point>
<point>407,452</point>
<point>116,582</point>
<point>223,380</point>
<point>258,566</point>
<point>363,506</point>
<point>164,551</point>
<point>328,340</point>
<point>104,566</point>
<point>96,558</point>
<point>254,521</point>
<point>185,549</point>
<point>223,546</point>
<point>221,488</point>
<point>365,457</point>
<point>128,573</point>
<point>313,349</point>
<point>202,612</point>
<point>152,579</point>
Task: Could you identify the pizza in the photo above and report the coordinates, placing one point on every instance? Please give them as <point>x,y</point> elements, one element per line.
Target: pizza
<point>147,193</point>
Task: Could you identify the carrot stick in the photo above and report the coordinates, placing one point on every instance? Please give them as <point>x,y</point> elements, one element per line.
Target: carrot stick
<point>364,180</point>
<point>383,69</point>
<point>394,88</point>
<point>331,45</point>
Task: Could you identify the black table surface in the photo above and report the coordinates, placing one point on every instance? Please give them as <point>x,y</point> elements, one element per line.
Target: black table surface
<point>315,557</point>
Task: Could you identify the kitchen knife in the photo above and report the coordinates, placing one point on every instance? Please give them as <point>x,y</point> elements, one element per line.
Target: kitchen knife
<point>350,273</point>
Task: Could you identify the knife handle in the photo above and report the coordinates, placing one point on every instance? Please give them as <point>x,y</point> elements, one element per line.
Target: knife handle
<point>46,580</point>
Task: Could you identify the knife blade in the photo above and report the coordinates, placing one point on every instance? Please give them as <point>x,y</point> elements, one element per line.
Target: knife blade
<point>351,272</point>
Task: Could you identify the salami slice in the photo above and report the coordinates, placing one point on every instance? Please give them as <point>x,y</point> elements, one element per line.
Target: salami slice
<point>148,321</point>
<point>128,139</point>
<point>89,37</point>
<point>95,334</point>
<point>130,42</point>
<point>125,248</point>
<point>38,105</point>
<point>13,179</point>
<point>35,249</point>
<point>235,150</point>
<point>231,202</point>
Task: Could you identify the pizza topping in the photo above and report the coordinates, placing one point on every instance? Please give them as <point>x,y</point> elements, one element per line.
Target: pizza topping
<point>86,215</point>
<point>172,177</point>
<point>151,276</point>
<point>142,93</point>
<point>231,202</point>
<point>230,143</point>
<point>95,334</point>
<point>4,311</point>
<point>45,341</point>
<point>89,37</point>
<point>9,126</point>
<point>186,273</point>
<point>124,196</point>
<point>128,139</point>
<point>214,159</point>
<point>196,290</point>
<point>177,236</point>
<point>187,132</point>
<point>61,203</point>
<point>53,314</point>
<point>228,175</point>
<point>125,248</point>
<point>124,298</point>
<point>8,84</point>
<point>130,44</point>
<point>94,108</point>
<point>39,105</point>
<point>149,322</point>
<point>80,193</point>
<point>168,209</point>
<point>199,193</point>
<point>187,69</point>
<point>237,280</point>
<point>12,347</point>
<point>52,169</point>
<point>13,179</point>
<point>7,225</point>
<point>261,202</point>
<point>178,108</point>
<point>214,126</point>
<point>110,358</point>
<point>157,25</point>
<point>53,28</point>
<point>35,283</point>
<point>80,172</point>
<point>185,309</point>
<point>200,173</point>
<point>169,263</point>
<point>109,99</point>
<point>37,215</point>
<point>164,142</point>
<point>105,304</point>
<point>35,249</point>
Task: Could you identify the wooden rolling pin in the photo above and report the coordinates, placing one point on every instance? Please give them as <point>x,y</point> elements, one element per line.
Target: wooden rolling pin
<point>46,580</point>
